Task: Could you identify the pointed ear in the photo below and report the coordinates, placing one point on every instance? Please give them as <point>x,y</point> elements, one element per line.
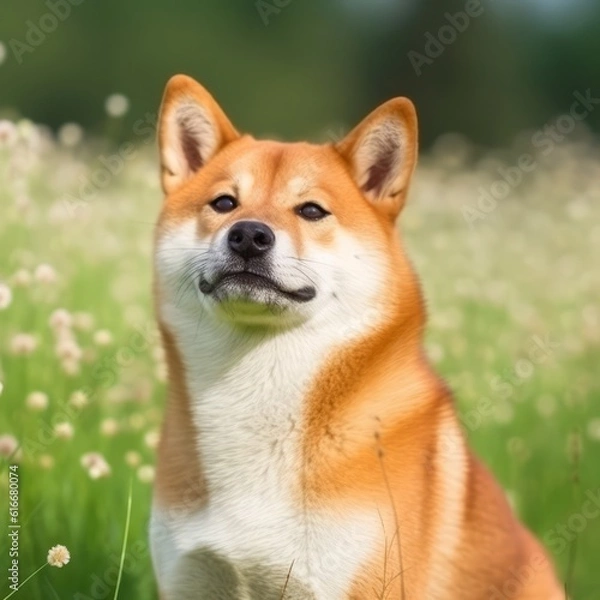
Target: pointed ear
<point>382,154</point>
<point>192,129</point>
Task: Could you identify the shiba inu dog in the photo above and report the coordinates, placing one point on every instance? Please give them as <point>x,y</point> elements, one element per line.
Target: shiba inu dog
<point>308,449</point>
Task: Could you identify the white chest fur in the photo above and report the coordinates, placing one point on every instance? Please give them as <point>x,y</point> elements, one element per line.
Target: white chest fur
<point>247,403</point>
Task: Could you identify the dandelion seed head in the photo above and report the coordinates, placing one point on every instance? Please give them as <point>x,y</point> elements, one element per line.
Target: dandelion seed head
<point>58,556</point>
<point>45,274</point>
<point>95,464</point>
<point>70,367</point>
<point>151,439</point>
<point>116,105</point>
<point>22,278</point>
<point>70,135</point>
<point>5,296</point>
<point>109,427</point>
<point>133,458</point>
<point>46,461</point>
<point>60,319</point>
<point>64,430</point>
<point>8,445</point>
<point>78,399</point>
<point>102,337</point>
<point>68,349</point>
<point>23,344</point>
<point>146,473</point>
<point>9,133</point>
<point>37,401</point>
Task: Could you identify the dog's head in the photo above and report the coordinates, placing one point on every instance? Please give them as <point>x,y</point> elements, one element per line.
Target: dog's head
<point>263,232</point>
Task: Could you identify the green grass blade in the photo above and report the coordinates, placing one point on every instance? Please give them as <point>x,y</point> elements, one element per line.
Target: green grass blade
<point>125,537</point>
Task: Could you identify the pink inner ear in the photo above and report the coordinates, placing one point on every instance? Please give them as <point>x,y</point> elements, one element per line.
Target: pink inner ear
<point>379,171</point>
<point>190,147</point>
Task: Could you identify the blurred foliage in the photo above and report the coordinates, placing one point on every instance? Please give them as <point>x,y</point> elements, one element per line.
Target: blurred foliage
<point>307,68</point>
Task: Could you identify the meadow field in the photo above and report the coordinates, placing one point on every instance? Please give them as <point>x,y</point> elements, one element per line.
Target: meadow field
<point>513,291</point>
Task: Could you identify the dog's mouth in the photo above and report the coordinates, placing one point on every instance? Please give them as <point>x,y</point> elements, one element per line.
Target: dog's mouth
<point>249,285</point>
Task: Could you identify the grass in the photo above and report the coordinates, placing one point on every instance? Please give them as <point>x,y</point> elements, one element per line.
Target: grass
<point>514,328</point>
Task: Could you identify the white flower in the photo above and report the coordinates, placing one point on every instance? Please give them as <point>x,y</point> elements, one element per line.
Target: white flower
<point>63,431</point>
<point>116,105</point>
<point>70,134</point>
<point>71,367</point>
<point>9,133</point>
<point>1,387</point>
<point>22,278</point>
<point>109,427</point>
<point>95,464</point>
<point>146,473</point>
<point>58,556</point>
<point>78,399</point>
<point>151,439</point>
<point>5,296</point>
<point>67,349</point>
<point>102,337</point>
<point>23,344</point>
<point>46,461</point>
<point>37,401</point>
<point>133,458</point>
<point>60,319</point>
<point>45,274</point>
<point>8,445</point>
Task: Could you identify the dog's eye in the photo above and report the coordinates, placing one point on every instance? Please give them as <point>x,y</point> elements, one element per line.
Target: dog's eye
<point>311,211</point>
<point>224,204</point>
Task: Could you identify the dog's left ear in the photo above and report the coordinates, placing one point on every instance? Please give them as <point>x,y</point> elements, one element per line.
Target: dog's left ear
<point>382,154</point>
<point>192,129</point>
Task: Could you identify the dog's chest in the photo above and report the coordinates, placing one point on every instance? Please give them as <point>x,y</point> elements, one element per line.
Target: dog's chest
<point>249,421</point>
<point>250,442</point>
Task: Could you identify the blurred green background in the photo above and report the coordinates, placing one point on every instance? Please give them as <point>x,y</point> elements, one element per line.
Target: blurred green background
<point>503,278</point>
<point>302,67</point>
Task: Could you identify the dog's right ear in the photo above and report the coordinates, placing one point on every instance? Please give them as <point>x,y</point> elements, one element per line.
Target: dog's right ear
<point>192,129</point>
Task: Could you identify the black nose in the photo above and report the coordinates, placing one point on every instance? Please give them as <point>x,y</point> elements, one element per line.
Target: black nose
<point>250,238</point>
